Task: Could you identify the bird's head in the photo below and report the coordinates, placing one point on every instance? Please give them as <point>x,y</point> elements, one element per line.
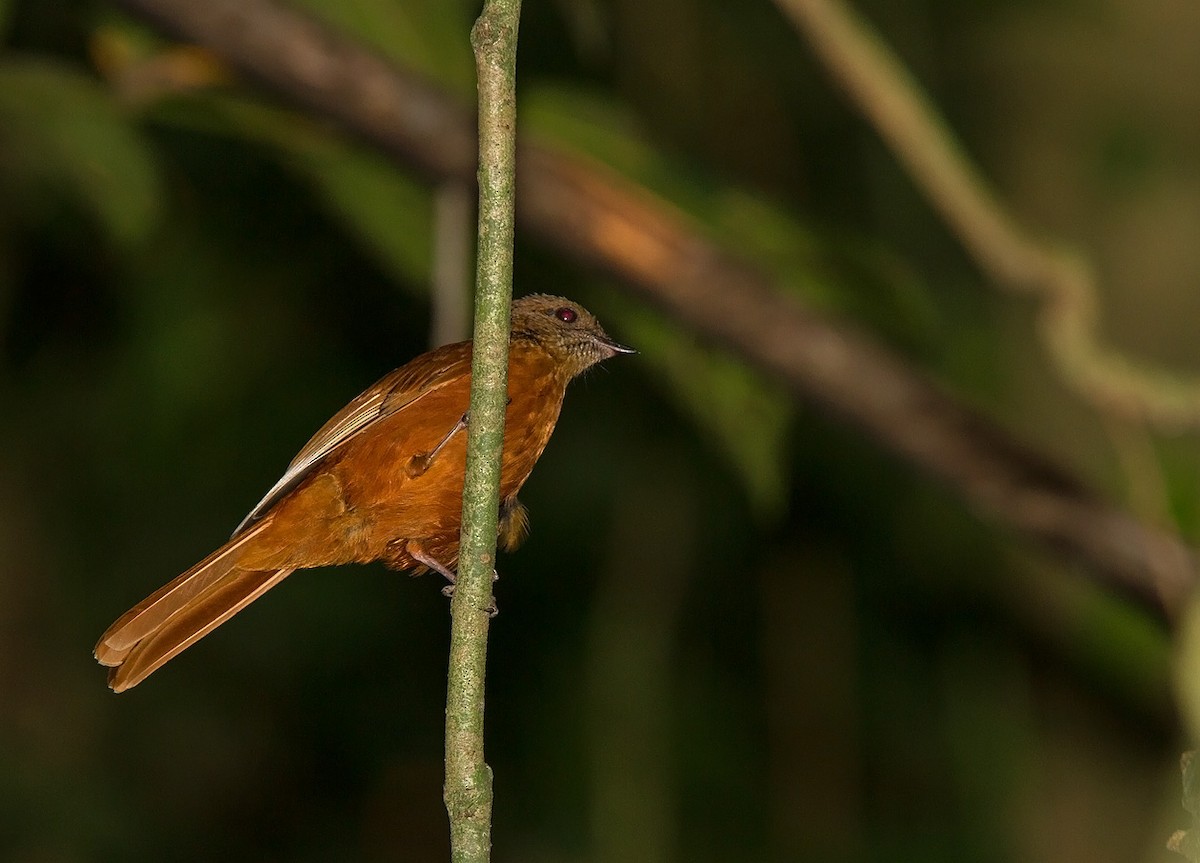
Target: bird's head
<point>565,330</point>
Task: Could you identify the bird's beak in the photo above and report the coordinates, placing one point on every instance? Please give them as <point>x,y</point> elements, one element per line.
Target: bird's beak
<point>612,347</point>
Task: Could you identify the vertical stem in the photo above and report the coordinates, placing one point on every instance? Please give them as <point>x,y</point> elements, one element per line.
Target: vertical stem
<point>451,282</point>
<point>630,682</point>
<point>468,790</point>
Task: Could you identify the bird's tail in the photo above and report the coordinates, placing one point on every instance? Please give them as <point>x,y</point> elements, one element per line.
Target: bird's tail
<point>180,613</point>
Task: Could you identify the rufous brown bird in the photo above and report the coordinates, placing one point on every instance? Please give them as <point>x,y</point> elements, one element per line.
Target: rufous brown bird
<point>382,480</point>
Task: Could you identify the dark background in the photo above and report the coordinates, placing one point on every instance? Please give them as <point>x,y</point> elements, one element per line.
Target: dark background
<point>739,631</point>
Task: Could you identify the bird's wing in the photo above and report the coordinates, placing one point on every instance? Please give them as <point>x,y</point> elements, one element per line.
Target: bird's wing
<point>390,394</point>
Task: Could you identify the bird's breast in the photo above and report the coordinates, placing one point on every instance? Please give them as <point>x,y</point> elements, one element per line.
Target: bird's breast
<point>535,398</point>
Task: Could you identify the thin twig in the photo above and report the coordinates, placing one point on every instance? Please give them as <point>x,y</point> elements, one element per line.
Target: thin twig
<point>891,99</point>
<point>602,219</point>
<point>468,777</point>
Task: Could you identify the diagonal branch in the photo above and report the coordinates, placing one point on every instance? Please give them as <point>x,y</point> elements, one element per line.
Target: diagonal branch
<point>892,101</point>
<point>600,218</point>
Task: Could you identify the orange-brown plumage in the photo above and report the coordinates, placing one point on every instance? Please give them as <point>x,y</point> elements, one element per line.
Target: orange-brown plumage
<point>382,480</point>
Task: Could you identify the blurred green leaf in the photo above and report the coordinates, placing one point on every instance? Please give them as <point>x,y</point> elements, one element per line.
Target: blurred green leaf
<point>428,36</point>
<point>389,210</point>
<point>743,414</point>
<point>382,207</point>
<point>1179,462</point>
<point>61,132</point>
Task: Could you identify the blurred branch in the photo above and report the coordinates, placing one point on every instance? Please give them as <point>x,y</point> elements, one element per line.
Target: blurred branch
<point>1147,490</point>
<point>318,68</point>
<point>1187,842</point>
<point>451,282</point>
<point>905,118</point>
<point>631,674</point>
<point>607,221</point>
<point>601,218</point>
<point>468,777</point>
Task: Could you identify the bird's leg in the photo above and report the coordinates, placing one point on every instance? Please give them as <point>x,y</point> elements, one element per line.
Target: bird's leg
<point>419,463</point>
<point>418,554</point>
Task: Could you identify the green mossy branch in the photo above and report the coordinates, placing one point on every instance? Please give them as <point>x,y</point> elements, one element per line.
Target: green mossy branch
<point>468,778</point>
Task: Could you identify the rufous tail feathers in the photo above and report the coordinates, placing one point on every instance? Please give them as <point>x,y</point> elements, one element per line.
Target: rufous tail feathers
<point>180,613</point>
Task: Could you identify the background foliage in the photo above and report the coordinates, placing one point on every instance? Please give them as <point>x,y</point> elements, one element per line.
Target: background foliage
<point>738,631</point>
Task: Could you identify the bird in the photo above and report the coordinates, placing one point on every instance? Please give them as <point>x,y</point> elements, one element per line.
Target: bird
<point>381,480</point>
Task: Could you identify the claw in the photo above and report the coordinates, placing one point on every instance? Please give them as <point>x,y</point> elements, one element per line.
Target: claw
<point>490,609</point>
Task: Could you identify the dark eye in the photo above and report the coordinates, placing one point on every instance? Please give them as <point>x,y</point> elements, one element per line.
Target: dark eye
<point>566,314</point>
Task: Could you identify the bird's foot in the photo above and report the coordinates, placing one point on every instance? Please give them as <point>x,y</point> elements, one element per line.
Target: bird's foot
<point>418,554</point>
<point>490,609</point>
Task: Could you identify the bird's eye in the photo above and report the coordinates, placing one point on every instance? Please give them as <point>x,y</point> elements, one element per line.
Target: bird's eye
<point>566,314</point>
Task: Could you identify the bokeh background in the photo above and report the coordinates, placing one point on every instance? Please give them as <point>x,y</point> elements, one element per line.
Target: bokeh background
<point>739,630</point>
